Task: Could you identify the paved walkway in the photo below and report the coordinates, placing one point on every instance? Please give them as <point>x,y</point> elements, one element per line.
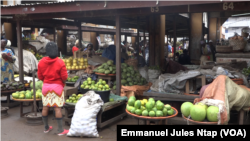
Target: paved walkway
<point>14,128</point>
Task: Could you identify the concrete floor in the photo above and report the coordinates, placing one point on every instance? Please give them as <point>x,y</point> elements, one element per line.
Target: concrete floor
<point>14,128</point>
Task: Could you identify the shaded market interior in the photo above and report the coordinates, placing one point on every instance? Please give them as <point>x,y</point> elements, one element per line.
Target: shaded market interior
<point>153,21</point>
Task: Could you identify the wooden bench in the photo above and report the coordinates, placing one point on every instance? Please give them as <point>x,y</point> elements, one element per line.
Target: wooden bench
<point>193,81</point>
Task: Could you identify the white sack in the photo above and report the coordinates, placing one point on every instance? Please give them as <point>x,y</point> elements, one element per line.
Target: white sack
<point>84,118</point>
<point>144,72</point>
<point>29,61</point>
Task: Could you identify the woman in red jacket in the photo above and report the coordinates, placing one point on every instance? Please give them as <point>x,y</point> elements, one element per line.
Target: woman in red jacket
<point>53,73</point>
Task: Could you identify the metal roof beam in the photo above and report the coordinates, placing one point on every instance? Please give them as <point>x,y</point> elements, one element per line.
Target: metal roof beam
<point>89,6</point>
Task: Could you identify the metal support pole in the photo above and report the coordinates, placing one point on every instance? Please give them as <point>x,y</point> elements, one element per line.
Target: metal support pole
<point>118,55</point>
<point>34,92</point>
<point>174,38</point>
<point>20,51</point>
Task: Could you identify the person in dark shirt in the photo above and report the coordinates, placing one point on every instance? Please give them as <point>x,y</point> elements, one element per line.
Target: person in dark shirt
<point>184,58</point>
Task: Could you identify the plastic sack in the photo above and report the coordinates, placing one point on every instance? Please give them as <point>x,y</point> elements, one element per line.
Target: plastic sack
<point>143,72</point>
<point>153,75</point>
<point>84,118</point>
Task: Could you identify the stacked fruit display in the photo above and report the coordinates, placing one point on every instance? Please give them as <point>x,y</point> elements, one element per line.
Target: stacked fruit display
<point>76,64</point>
<point>99,51</point>
<point>38,56</point>
<point>27,94</point>
<point>38,85</point>
<point>72,79</point>
<point>149,108</point>
<point>106,68</point>
<point>101,85</point>
<point>11,86</point>
<point>200,111</point>
<point>130,77</point>
<point>74,98</point>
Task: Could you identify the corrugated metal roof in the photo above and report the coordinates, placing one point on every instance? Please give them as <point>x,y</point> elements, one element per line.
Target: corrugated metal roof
<point>39,3</point>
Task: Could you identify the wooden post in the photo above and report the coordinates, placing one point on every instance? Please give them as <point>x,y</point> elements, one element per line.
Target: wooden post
<point>174,38</point>
<point>118,55</point>
<point>80,34</point>
<point>144,42</point>
<point>138,36</point>
<point>54,34</point>
<point>20,51</point>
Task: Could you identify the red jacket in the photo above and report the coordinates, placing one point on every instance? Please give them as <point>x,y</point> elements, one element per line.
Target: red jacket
<point>52,71</point>
<point>74,49</point>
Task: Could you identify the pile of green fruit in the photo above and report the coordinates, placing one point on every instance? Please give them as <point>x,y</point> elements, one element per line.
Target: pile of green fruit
<point>149,107</point>
<point>99,51</point>
<point>27,94</point>
<point>11,86</point>
<point>130,77</point>
<point>101,85</point>
<point>38,85</point>
<point>74,98</point>
<point>106,68</point>
<point>246,71</point>
<point>72,79</point>
<point>200,111</point>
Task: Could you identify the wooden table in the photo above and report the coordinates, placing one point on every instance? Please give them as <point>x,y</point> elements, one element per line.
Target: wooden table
<point>27,100</point>
<point>8,93</point>
<point>203,82</point>
<point>104,118</point>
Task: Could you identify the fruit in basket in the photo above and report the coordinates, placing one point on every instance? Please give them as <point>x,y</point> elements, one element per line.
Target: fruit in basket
<point>165,112</point>
<point>21,96</point>
<point>132,110</point>
<point>154,109</point>
<point>131,102</point>
<point>145,113</point>
<point>205,106</point>
<point>28,95</point>
<point>151,113</point>
<point>138,112</point>
<point>159,106</point>
<point>67,100</point>
<point>198,113</point>
<point>152,100</point>
<point>168,107</point>
<point>149,106</point>
<point>185,108</point>
<point>111,99</point>
<point>212,113</point>
<point>170,112</point>
<point>137,104</point>
<point>159,113</point>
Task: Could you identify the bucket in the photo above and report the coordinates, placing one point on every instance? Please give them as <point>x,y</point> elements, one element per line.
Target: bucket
<point>83,91</point>
<point>104,95</point>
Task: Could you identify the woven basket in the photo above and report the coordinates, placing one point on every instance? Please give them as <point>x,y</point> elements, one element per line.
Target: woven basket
<point>132,62</point>
<point>224,49</point>
<point>238,44</point>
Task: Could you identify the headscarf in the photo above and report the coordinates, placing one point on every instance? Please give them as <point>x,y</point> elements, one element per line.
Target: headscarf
<point>52,50</point>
